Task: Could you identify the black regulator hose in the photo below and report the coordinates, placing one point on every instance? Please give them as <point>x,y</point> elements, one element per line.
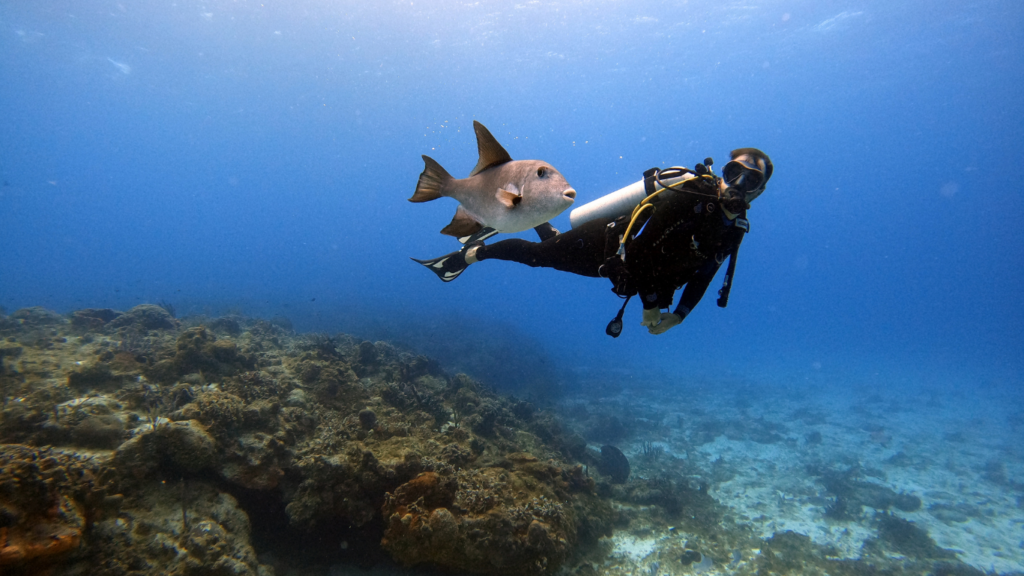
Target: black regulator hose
<point>615,326</point>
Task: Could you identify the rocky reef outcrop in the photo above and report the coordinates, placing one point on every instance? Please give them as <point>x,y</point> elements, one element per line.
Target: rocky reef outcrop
<point>47,500</point>
<point>140,443</point>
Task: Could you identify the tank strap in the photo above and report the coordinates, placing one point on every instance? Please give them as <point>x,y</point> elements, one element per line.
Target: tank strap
<point>650,177</point>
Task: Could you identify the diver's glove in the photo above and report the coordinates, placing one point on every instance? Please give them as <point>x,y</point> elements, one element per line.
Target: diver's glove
<point>652,316</point>
<point>658,322</point>
<point>668,320</point>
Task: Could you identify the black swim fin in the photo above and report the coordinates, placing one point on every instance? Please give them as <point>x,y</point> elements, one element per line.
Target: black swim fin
<point>447,267</point>
<point>478,237</point>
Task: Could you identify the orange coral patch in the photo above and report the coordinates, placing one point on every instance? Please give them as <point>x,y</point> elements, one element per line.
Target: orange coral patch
<point>17,550</point>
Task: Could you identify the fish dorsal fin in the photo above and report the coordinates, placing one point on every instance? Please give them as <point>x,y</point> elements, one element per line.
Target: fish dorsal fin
<point>509,198</point>
<point>491,153</point>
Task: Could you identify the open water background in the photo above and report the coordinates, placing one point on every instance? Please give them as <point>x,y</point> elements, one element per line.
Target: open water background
<point>257,157</point>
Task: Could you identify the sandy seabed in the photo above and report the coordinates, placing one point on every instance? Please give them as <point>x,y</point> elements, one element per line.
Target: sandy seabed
<point>828,477</point>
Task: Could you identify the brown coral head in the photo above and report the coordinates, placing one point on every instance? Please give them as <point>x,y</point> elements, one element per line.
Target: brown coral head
<point>367,419</point>
<point>436,491</point>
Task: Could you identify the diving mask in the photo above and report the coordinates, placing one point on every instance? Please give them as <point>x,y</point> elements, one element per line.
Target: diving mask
<point>746,176</point>
<point>747,173</point>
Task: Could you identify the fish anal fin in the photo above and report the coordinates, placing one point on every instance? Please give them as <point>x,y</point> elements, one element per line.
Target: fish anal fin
<point>463,224</point>
<point>508,199</point>
<point>431,182</point>
<point>491,153</point>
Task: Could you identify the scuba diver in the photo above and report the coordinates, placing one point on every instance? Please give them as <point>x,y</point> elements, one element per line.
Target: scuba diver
<point>673,228</point>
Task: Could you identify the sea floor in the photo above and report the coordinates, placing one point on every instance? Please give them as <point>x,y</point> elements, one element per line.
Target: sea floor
<point>682,477</point>
<point>861,475</point>
<point>775,462</point>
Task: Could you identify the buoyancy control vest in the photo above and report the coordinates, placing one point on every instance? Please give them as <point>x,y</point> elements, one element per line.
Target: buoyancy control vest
<point>660,187</point>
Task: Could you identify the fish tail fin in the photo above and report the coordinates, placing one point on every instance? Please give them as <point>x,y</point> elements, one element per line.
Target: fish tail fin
<point>431,182</point>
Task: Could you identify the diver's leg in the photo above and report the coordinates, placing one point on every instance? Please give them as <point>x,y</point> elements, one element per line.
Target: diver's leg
<point>579,251</point>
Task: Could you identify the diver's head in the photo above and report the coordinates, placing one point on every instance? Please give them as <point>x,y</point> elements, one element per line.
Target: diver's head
<point>744,178</point>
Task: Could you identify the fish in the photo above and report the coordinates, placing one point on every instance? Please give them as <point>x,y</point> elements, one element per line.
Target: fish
<point>500,193</point>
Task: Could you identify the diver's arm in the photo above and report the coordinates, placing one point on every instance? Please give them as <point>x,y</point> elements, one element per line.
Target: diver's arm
<point>655,295</point>
<point>696,287</point>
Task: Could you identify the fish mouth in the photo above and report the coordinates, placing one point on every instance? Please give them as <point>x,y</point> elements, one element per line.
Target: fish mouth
<point>570,194</point>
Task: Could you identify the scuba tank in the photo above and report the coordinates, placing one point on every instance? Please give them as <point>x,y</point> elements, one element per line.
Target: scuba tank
<point>624,200</point>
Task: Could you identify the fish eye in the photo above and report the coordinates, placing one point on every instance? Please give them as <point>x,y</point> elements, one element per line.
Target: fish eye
<point>541,172</point>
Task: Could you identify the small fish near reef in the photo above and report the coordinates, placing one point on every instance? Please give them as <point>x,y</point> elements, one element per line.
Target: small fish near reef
<point>501,193</point>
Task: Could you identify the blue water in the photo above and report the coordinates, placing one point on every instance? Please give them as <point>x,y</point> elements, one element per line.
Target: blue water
<point>257,157</point>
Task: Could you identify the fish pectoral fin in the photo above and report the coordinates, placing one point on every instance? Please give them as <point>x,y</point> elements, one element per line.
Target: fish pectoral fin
<point>508,199</point>
<point>463,224</point>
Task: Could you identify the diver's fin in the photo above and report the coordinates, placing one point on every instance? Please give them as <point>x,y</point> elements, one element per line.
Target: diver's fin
<point>462,224</point>
<point>447,267</point>
<point>546,231</point>
<point>491,153</point>
<point>507,198</point>
<point>431,181</point>
<point>480,236</point>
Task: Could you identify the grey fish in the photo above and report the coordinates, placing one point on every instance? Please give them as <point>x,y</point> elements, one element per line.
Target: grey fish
<point>501,193</point>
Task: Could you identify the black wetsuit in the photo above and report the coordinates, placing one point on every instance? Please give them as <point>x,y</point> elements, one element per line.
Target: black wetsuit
<point>683,242</point>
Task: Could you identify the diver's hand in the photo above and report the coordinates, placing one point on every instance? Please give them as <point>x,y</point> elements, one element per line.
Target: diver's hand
<point>668,321</point>
<point>652,316</point>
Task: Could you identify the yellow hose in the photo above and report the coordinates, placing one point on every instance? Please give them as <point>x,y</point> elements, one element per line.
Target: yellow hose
<point>636,215</point>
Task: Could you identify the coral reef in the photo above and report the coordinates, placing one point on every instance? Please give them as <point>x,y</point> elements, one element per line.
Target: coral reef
<point>47,499</point>
<point>174,528</point>
<point>497,520</point>
<point>212,434</point>
<point>143,317</point>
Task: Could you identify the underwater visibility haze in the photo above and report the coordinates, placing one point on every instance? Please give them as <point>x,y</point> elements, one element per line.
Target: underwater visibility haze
<point>255,159</point>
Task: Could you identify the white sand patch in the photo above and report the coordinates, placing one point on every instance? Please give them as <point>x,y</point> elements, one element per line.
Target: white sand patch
<point>629,547</point>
